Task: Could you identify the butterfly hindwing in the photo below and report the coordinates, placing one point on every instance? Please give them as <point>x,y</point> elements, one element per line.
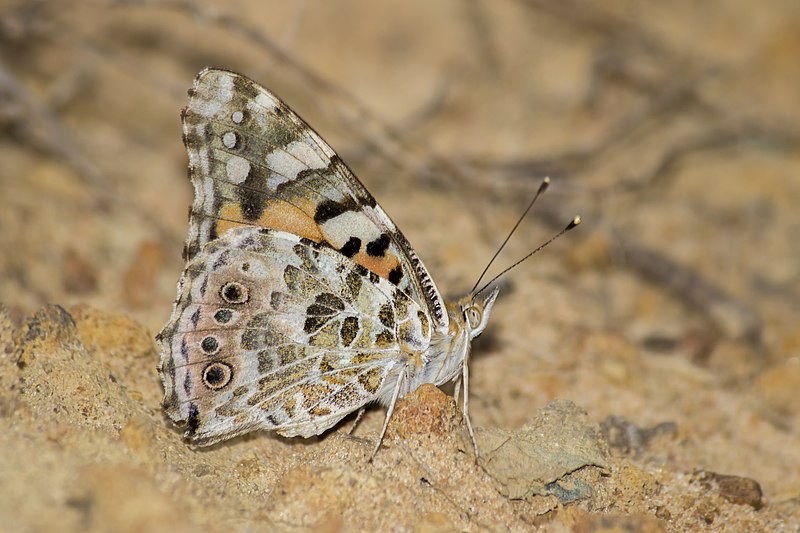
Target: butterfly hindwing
<point>253,162</point>
<point>274,331</point>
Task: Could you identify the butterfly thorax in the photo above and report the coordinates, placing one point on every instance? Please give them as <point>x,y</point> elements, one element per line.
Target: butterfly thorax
<point>449,351</point>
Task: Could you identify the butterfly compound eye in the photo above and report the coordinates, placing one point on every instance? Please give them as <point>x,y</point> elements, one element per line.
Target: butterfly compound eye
<point>473,317</point>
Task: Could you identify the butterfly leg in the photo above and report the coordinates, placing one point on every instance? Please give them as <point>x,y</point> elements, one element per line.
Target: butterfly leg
<point>457,388</point>
<point>465,406</point>
<point>389,411</point>
<point>357,420</point>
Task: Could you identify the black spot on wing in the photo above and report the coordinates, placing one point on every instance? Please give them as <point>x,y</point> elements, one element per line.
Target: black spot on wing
<point>319,310</point>
<point>210,345</point>
<point>193,420</point>
<point>214,375</point>
<point>319,313</point>
<point>223,316</point>
<point>378,247</point>
<point>352,285</point>
<point>396,275</point>
<point>234,292</point>
<point>386,315</point>
<point>331,301</point>
<point>349,330</point>
<point>329,209</point>
<point>314,322</point>
<point>217,375</point>
<point>251,194</point>
<point>351,247</point>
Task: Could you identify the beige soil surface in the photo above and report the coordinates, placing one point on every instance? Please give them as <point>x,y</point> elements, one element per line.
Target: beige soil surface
<point>656,348</point>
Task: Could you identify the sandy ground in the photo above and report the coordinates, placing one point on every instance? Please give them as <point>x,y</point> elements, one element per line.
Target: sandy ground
<point>641,374</point>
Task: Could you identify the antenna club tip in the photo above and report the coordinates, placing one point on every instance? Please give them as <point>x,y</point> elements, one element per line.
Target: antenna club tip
<point>575,221</point>
<point>543,187</point>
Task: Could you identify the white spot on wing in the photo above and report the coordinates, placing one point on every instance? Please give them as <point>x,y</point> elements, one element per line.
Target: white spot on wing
<point>212,99</point>
<point>291,159</point>
<point>237,169</point>
<point>262,102</point>
<point>304,151</point>
<point>202,155</point>
<point>206,108</point>
<point>225,81</point>
<point>229,139</point>
<point>237,117</point>
<point>339,229</point>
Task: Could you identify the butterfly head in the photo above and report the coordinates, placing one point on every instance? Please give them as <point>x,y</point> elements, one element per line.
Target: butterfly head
<point>476,309</point>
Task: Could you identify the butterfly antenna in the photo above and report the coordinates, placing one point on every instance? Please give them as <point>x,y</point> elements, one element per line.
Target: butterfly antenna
<point>575,221</point>
<point>542,188</point>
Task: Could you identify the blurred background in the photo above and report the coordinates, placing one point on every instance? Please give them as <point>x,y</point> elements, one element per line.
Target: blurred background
<point>671,128</point>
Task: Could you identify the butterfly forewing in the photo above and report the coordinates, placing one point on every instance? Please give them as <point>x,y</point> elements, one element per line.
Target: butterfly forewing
<point>254,162</point>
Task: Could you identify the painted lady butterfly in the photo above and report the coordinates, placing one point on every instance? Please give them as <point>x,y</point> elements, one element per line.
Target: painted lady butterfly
<point>301,302</point>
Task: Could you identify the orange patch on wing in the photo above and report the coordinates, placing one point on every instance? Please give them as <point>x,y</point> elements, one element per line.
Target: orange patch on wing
<point>286,217</point>
<point>278,215</point>
<point>231,212</point>
<point>380,265</point>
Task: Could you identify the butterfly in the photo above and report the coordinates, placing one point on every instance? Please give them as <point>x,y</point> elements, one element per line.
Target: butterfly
<point>301,302</point>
